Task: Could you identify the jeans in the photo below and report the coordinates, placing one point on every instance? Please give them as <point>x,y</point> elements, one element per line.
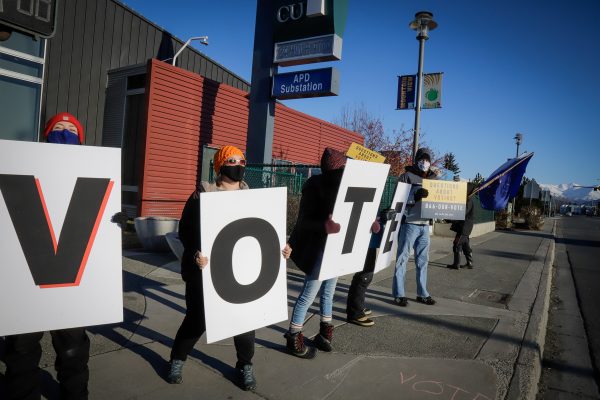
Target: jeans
<point>417,236</point>
<point>308,295</point>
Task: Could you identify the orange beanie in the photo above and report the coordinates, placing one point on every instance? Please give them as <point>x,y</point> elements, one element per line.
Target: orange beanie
<point>223,154</point>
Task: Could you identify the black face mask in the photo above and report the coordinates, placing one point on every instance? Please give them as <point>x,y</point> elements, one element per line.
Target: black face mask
<point>233,172</point>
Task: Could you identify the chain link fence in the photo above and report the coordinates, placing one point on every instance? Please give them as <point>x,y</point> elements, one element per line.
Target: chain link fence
<point>294,177</point>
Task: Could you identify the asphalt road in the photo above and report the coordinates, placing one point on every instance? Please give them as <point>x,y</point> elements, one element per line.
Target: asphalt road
<point>572,352</point>
<point>581,236</point>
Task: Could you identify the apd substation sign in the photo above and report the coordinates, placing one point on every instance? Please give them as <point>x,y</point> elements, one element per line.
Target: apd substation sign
<point>301,84</point>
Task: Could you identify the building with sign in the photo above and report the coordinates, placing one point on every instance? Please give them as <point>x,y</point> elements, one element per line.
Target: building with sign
<point>113,71</point>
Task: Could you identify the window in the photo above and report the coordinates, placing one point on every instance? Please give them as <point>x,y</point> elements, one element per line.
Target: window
<point>21,79</point>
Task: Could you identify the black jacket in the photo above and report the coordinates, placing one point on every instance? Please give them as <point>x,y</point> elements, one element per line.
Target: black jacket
<point>308,236</point>
<point>189,229</point>
<point>466,227</point>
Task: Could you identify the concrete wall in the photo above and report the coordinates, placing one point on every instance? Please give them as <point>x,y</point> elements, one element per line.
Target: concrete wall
<point>443,229</point>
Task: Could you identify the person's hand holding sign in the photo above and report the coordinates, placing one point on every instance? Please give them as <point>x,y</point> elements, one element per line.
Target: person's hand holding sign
<point>200,260</point>
<point>331,226</point>
<point>287,251</point>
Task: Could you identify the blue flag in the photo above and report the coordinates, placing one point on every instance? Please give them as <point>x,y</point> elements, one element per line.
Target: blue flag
<point>503,184</point>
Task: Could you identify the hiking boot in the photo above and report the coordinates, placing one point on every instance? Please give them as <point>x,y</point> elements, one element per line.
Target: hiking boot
<point>366,311</point>
<point>295,345</point>
<point>246,376</point>
<point>401,301</point>
<point>426,300</point>
<point>361,321</point>
<point>176,372</point>
<point>324,338</point>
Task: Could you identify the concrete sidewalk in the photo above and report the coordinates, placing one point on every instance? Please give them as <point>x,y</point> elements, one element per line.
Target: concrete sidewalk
<point>480,341</point>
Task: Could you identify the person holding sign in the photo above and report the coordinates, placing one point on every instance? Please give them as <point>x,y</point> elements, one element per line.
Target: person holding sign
<point>463,229</point>
<point>72,346</point>
<point>308,241</point>
<point>414,231</point>
<point>229,165</point>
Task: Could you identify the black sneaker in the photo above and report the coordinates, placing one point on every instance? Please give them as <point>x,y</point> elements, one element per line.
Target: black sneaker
<point>361,321</point>
<point>247,379</point>
<point>367,311</point>
<point>295,345</point>
<point>426,300</point>
<point>401,301</point>
<point>453,266</point>
<point>467,266</point>
<point>176,372</point>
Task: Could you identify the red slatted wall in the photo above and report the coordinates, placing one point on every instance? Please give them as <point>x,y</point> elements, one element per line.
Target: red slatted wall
<point>186,111</point>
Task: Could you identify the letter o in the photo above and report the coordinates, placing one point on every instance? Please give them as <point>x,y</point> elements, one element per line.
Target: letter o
<point>221,271</point>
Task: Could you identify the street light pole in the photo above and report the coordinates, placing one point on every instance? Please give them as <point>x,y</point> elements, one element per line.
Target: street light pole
<point>423,23</point>
<point>518,139</point>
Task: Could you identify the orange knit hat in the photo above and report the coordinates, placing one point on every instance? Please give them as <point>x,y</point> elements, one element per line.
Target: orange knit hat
<point>223,154</point>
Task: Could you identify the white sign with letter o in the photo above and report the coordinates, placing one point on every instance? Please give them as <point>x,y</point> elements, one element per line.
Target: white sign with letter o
<point>243,233</point>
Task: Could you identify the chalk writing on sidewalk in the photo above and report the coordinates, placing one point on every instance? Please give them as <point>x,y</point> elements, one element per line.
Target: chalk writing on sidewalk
<point>439,389</point>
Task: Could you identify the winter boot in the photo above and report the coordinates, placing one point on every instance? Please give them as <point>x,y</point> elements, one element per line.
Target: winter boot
<point>295,345</point>
<point>456,263</point>
<point>246,377</point>
<point>325,336</point>
<point>176,372</point>
<point>469,257</point>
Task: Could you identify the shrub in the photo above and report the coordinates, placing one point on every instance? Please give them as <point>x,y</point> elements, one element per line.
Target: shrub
<point>533,217</point>
<point>502,220</point>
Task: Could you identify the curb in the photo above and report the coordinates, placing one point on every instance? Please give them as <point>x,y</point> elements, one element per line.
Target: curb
<point>528,366</point>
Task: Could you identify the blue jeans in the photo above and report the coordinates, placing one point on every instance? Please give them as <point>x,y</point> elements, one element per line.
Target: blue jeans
<point>308,295</point>
<point>417,236</point>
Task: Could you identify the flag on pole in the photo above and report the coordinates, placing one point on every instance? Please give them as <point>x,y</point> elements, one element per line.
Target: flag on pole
<point>503,184</point>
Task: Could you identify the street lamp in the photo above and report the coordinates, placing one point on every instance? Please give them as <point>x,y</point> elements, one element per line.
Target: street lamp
<point>423,23</point>
<point>518,139</point>
<point>202,39</point>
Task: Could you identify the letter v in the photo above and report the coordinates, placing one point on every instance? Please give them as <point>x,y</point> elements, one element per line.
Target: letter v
<point>51,263</point>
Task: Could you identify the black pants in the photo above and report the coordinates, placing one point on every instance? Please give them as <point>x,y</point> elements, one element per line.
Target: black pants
<point>355,303</point>
<point>23,353</point>
<point>461,242</point>
<point>194,325</point>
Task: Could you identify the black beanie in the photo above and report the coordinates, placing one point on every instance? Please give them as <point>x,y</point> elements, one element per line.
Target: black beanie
<point>423,154</point>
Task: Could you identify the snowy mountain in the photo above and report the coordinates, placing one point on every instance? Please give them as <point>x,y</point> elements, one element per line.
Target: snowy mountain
<point>569,191</point>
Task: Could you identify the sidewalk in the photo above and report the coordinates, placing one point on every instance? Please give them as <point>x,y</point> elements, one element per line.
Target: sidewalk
<point>479,341</point>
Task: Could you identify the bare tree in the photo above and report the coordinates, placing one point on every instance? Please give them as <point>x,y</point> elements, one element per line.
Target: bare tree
<point>396,147</point>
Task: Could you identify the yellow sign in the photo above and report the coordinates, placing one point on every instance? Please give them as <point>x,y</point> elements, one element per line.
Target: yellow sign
<point>446,200</point>
<point>358,152</point>
<point>446,191</point>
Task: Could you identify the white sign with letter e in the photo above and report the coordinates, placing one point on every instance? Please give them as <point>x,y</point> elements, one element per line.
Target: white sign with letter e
<point>61,261</point>
<point>243,233</point>
<point>355,210</point>
<point>389,240</point>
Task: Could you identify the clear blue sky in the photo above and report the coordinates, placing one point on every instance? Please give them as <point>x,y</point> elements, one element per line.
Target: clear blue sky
<point>509,66</point>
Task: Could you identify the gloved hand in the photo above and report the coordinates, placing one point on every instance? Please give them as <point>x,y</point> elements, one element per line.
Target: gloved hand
<point>375,227</point>
<point>331,226</point>
<point>421,194</point>
<point>387,215</point>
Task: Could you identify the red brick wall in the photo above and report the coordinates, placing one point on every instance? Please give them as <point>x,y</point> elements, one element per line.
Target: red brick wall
<point>186,111</point>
